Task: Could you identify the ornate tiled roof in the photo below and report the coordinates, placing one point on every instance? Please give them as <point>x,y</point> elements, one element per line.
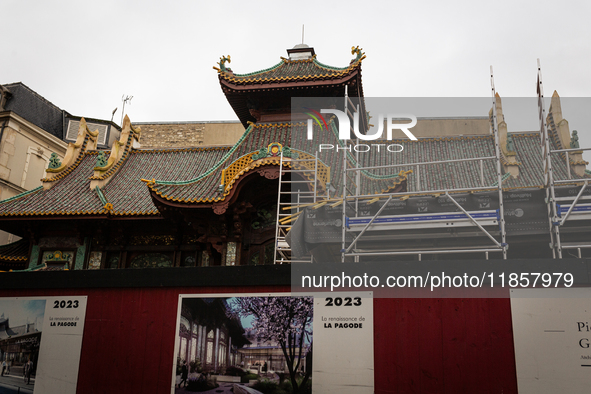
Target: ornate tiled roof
<point>205,188</point>
<point>455,175</point>
<point>194,176</point>
<point>291,70</point>
<point>126,192</point>
<point>14,255</point>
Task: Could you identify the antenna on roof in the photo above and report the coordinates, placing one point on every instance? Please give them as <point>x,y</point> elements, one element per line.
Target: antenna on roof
<point>125,99</point>
<point>302,34</point>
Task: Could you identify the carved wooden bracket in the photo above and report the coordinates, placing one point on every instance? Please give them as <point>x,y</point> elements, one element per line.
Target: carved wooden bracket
<point>269,172</point>
<point>220,208</point>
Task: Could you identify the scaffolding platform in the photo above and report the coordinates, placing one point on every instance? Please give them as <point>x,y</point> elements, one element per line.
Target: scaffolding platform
<point>428,220</point>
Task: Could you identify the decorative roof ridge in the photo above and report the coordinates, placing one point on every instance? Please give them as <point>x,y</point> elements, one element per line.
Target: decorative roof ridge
<point>85,140</point>
<point>97,152</point>
<point>553,131</point>
<point>332,68</point>
<point>151,183</point>
<point>524,134</point>
<point>23,194</point>
<point>308,60</point>
<point>229,75</point>
<point>271,124</point>
<point>13,258</point>
<point>107,206</point>
<point>505,176</point>
<point>105,169</point>
<point>186,149</point>
<point>448,138</point>
<point>151,212</point>
<point>223,71</point>
<point>51,213</point>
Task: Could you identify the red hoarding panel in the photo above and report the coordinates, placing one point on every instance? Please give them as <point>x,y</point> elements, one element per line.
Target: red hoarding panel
<point>420,345</point>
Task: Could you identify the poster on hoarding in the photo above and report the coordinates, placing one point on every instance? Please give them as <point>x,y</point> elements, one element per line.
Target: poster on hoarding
<point>552,338</point>
<point>265,343</point>
<point>40,344</point>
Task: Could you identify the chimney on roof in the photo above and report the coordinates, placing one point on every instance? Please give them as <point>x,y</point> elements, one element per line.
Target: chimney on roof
<point>301,52</point>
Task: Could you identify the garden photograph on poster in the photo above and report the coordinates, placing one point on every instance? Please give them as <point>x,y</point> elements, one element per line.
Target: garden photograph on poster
<point>249,344</point>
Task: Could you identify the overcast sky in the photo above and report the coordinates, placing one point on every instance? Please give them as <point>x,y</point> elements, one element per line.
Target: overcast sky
<point>20,311</point>
<point>83,56</point>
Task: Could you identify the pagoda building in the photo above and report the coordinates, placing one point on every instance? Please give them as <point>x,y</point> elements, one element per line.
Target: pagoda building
<point>205,206</point>
<point>130,207</point>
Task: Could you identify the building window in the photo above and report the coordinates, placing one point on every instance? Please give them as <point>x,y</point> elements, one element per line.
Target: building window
<point>231,253</point>
<point>205,259</point>
<point>94,261</point>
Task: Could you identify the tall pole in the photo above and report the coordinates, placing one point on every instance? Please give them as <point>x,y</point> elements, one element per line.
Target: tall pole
<point>125,99</point>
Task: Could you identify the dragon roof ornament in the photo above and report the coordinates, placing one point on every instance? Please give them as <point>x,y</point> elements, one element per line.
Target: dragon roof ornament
<point>222,64</point>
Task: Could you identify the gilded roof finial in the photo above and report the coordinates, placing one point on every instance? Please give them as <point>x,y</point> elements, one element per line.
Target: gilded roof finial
<point>222,64</point>
<point>360,55</point>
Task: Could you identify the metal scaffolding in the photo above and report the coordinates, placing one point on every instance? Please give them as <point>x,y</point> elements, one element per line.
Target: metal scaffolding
<point>565,208</point>
<point>298,189</point>
<point>484,227</point>
<point>355,226</point>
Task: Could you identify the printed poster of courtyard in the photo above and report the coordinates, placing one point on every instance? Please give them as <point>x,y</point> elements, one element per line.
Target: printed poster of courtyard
<point>21,324</point>
<point>247,344</point>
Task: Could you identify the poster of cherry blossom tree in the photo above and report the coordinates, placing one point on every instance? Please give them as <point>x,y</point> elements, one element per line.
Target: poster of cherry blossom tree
<point>286,321</point>
<point>244,344</point>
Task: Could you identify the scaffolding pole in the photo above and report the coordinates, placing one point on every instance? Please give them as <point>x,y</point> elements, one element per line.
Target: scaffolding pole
<point>498,162</point>
<point>555,244</point>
